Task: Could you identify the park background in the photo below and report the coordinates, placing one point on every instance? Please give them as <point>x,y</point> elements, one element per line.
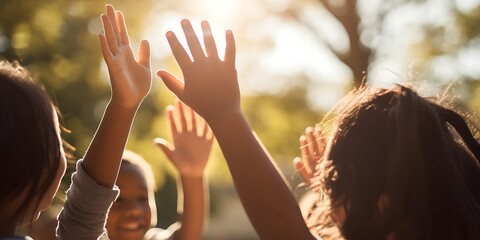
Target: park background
<point>295,59</point>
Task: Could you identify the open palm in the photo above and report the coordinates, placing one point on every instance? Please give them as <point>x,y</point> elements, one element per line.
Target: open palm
<point>210,85</point>
<point>192,141</point>
<point>131,80</point>
<point>312,146</point>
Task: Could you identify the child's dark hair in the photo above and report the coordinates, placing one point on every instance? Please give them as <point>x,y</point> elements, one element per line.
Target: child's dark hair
<point>29,144</point>
<point>403,165</point>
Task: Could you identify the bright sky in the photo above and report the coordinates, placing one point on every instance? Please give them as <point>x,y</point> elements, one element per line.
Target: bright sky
<point>273,50</point>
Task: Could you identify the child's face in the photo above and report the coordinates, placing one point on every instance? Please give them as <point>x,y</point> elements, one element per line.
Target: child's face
<point>130,215</point>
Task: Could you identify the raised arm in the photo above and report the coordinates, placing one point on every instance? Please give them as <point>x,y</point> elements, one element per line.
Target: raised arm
<point>192,142</point>
<point>91,193</point>
<point>130,83</point>
<point>210,87</point>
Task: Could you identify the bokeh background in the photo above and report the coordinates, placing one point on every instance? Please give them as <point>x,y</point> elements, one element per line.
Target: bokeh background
<point>295,59</point>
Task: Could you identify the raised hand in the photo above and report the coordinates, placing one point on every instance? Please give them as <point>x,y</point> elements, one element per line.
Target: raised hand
<point>312,146</point>
<point>210,85</point>
<point>131,80</point>
<point>192,141</point>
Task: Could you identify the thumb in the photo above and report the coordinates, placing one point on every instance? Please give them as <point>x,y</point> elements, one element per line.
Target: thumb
<point>172,83</point>
<point>165,146</point>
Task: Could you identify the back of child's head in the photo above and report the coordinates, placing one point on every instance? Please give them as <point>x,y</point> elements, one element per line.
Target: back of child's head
<point>137,161</point>
<point>404,165</point>
<point>29,144</point>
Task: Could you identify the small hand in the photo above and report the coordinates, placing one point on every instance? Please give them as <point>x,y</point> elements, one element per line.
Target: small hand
<point>312,146</point>
<point>131,80</point>
<point>211,86</point>
<point>192,141</point>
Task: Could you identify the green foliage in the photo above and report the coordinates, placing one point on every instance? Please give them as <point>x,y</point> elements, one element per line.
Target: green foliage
<point>280,120</point>
<point>57,42</point>
<point>452,42</point>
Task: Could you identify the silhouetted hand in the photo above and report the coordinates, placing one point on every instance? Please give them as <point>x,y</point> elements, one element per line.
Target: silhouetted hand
<point>210,85</point>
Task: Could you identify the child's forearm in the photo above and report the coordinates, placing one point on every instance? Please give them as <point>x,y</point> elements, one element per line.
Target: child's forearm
<point>101,163</point>
<point>267,199</point>
<point>103,157</point>
<point>194,193</point>
<point>84,213</point>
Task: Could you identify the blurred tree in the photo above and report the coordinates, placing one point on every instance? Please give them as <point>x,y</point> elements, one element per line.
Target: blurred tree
<point>449,52</point>
<point>57,41</point>
<point>357,56</point>
<point>287,77</point>
<point>442,35</point>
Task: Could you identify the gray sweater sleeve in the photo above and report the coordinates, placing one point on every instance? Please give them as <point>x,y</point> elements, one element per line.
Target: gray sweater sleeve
<point>85,211</point>
<point>162,234</point>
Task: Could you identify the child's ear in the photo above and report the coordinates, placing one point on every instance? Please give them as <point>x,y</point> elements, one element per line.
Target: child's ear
<point>383,202</point>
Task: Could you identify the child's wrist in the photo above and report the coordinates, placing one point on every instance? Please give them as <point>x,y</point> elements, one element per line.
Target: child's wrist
<point>223,116</point>
<point>191,177</point>
<point>122,107</point>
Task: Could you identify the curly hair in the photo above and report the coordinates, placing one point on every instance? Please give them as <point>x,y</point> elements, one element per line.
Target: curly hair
<point>401,165</point>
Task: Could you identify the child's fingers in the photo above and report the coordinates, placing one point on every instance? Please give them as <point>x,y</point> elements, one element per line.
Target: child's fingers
<point>320,140</point>
<point>107,55</point>
<point>165,146</point>
<point>312,142</point>
<point>207,132</point>
<point>192,40</point>
<point>172,83</point>
<point>181,117</point>
<point>212,135</point>
<point>306,156</point>
<point>109,34</point>
<point>122,29</point>
<point>171,119</point>
<point>315,184</point>
<point>209,41</point>
<point>144,53</point>
<point>113,20</point>
<point>309,159</point>
<point>230,48</point>
<point>298,163</point>
<point>178,51</point>
<point>318,134</point>
<point>193,120</point>
<point>205,129</point>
